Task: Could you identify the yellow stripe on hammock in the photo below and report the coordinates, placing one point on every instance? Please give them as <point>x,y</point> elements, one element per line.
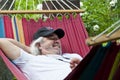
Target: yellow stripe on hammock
<point>20,30</point>
<point>13,27</point>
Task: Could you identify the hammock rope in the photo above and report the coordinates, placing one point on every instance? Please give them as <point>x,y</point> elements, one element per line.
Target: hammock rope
<point>11,5</point>
<point>19,5</point>
<point>66,4</point>
<point>48,11</point>
<point>4,5</point>
<point>73,5</point>
<point>53,5</point>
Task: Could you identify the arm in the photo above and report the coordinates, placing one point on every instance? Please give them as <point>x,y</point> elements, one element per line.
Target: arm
<point>18,44</point>
<point>11,48</point>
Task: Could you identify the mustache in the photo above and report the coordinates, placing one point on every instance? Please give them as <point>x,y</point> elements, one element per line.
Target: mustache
<point>56,44</point>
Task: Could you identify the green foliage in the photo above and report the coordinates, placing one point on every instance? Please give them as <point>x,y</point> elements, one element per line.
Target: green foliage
<point>99,12</point>
<point>30,5</point>
<point>5,73</point>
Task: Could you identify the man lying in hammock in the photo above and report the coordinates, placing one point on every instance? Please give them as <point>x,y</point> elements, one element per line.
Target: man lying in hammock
<point>45,60</point>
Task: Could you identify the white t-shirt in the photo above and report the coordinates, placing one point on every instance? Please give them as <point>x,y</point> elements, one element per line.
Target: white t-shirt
<point>44,67</point>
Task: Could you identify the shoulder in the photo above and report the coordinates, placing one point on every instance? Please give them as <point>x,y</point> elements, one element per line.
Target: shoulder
<point>24,56</point>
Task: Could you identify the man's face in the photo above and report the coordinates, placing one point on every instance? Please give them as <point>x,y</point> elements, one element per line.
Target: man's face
<point>51,45</point>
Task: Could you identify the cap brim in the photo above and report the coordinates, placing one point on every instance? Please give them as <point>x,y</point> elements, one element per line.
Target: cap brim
<point>60,33</point>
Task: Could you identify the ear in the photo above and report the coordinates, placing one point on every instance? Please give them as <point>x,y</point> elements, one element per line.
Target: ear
<point>35,46</point>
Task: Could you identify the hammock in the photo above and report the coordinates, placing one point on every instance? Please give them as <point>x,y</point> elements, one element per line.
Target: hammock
<point>103,60</point>
<point>102,63</point>
<point>22,30</point>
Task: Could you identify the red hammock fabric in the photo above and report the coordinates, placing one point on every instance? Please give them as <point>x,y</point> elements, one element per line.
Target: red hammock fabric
<point>74,40</point>
<point>8,27</point>
<point>16,72</point>
<point>75,33</point>
<point>9,34</point>
<point>102,72</point>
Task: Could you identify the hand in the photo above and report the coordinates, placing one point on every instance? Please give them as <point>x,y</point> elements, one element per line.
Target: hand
<point>74,62</point>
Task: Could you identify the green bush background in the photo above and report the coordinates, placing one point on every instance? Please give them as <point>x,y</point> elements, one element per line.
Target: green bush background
<point>97,12</point>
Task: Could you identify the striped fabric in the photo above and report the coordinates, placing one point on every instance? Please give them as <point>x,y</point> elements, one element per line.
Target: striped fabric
<point>15,30</point>
<point>106,66</point>
<point>115,66</point>
<point>10,32</point>
<point>75,33</point>
<point>117,74</point>
<point>23,30</point>
<point>101,63</point>
<point>76,73</point>
<point>20,30</point>
<point>8,27</point>
<point>94,65</point>
<point>2,30</point>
